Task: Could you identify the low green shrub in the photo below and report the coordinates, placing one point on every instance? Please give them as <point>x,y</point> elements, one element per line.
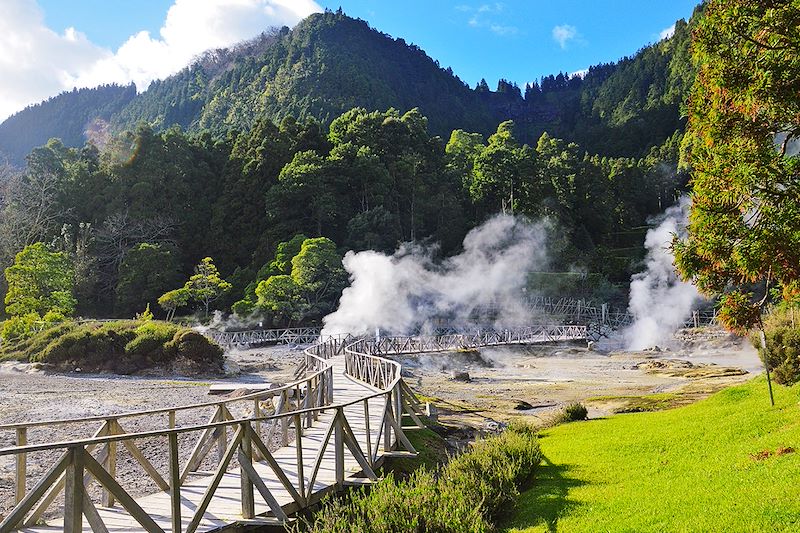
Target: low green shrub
<point>466,494</point>
<point>782,332</point>
<point>123,347</point>
<point>573,412</point>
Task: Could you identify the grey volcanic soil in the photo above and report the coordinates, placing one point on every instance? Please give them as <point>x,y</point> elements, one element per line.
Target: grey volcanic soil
<point>504,380</point>
<point>27,394</point>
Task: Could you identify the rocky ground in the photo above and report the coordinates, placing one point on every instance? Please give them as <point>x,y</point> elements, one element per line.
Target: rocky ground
<point>474,389</point>
<point>29,393</point>
<point>482,387</point>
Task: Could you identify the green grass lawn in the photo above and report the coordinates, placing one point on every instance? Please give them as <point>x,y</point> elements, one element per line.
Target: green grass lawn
<point>694,468</point>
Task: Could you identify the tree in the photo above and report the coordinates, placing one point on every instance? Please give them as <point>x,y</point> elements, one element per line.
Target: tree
<point>40,284</point>
<point>145,273</point>
<point>319,273</point>
<point>744,126</point>
<point>741,144</point>
<point>283,297</point>
<point>172,300</point>
<point>40,281</point>
<point>206,285</point>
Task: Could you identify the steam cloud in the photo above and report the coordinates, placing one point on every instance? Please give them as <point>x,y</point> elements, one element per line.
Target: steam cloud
<point>402,292</point>
<point>659,301</point>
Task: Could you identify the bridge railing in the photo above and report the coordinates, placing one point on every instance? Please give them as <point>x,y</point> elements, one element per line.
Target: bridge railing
<point>238,439</point>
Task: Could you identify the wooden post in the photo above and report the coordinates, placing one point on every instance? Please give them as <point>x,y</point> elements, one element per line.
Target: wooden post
<point>248,501</point>
<point>285,420</point>
<point>110,463</point>
<point>338,447</point>
<point>73,492</point>
<point>369,437</point>
<point>222,434</point>
<point>174,482</point>
<point>298,444</point>
<point>387,426</point>
<point>172,419</point>
<point>22,466</point>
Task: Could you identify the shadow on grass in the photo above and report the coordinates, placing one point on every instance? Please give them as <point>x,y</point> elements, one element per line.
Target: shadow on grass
<point>546,500</point>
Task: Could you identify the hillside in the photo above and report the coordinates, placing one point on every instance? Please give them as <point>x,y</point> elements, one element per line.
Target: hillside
<point>68,116</point>
<point>330,63</point>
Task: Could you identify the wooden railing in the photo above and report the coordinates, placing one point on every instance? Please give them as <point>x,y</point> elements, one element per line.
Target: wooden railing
<point>302,414</point>
<point>246,439</point>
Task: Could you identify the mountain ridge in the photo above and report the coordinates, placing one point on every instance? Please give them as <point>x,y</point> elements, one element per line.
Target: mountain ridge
<point>330,63</point>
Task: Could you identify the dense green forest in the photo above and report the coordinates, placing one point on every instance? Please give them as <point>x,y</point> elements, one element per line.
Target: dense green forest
<point>271,159</point>
<point>73,117</point>
<point>330,63</point>
<point>372,180</point>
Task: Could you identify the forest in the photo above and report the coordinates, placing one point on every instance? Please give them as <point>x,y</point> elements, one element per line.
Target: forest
<point>135,218</point>
<point>208,191</point>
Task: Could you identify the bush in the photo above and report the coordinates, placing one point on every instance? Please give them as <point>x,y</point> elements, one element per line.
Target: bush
<point>573,412</point>
<point>782,334</point>
<point>123,347</point>
<point>464,495</point>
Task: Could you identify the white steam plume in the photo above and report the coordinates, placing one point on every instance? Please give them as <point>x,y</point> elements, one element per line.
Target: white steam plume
<point>659,301</point>
<point>402,292</point>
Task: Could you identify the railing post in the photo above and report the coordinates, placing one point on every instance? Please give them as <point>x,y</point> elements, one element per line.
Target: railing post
<point>387,426</point>
<point>74,492</point>
<point>298,444</point>
<point>171,419</point>
<point>338,447</point>
<point>110,463</point>
<point>22,466</point>
<point>285,420</point>
<point>174,483</point>
<point>222,433</point>
<point>248,501</point>
<point>369,436</point>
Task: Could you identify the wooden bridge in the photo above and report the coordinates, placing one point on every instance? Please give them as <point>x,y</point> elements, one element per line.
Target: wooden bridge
<point>277,451</point>
<point>600,320</point>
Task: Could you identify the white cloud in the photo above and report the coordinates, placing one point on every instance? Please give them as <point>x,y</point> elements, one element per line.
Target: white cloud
<point>666,33</point>
<point>483,17</point>
<point>580,73</point>
<point>563,34</point>
<point>36,62</point>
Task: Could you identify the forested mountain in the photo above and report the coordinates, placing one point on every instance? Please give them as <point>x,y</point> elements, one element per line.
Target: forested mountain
<point>330,63</point>
<point>72,117</point>
<point>334,137</point>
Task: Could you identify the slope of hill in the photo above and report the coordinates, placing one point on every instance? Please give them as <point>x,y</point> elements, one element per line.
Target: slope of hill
<point>67,116</point>
<point>330,63</point>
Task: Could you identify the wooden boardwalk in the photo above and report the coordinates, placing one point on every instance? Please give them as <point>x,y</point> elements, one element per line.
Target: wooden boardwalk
<point>225,508</point>
<point>334,426</point>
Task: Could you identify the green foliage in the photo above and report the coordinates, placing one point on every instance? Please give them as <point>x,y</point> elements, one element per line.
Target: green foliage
<point>204,287</point>
<point>782,333</point>
<point>573,412</point>
<point>281,296</point>
<point>39,281</point>
<point>172,300</point>
<point>146,272</point>
<point>318,272</point>
<point>466,494</point>
<point>20,327</point>
<point>122,347</point>
<point>67,116</point>
<point>745,220</point>
<point>39,294</point>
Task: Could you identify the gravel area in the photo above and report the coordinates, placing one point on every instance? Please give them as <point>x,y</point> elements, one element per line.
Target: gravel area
<point>27,394</point>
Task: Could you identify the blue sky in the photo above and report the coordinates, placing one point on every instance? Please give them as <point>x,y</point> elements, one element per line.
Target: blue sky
<point>88,42</point>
